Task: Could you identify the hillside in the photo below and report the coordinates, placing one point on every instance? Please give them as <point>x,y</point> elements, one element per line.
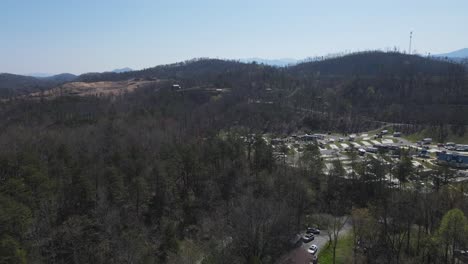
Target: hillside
<point>12,84</point>
<point>385,86</point>
<point>93,89</point>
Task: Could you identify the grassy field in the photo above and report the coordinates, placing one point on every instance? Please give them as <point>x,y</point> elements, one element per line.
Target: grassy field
<point>344,252</point>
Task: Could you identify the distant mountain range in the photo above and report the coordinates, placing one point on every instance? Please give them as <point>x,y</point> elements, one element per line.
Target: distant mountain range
<point>39,74</point>
<point>461,53</point>
<point>49,75</point>
<point>126,69</point>
<point>460,56</point>
<point>457,55</point>
<point>63,77</point>
<point>11,84</point>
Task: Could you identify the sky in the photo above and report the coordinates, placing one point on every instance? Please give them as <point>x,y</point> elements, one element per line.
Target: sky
<point>78,36</point>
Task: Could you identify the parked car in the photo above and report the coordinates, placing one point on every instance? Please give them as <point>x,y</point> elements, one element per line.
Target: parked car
<point>307,238</point>
<point>361,151</point>
<point>427,141</point>
<point>314,259</point>
<point>463,254</point>
<point>313,249</point>
<point>313,230</point>
<point>450,144</point>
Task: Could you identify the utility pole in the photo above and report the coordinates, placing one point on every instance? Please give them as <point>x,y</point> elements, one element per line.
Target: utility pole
<point>410,39</point>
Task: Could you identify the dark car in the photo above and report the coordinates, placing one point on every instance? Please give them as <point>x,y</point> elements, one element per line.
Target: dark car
<point>314,259</point>
<point>308,237</point>
<point>313,230</point>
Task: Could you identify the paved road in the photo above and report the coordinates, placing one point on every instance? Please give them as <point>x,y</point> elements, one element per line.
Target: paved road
<point>300,255</point>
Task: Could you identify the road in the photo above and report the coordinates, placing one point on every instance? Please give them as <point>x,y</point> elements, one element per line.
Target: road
<point>300,255</point>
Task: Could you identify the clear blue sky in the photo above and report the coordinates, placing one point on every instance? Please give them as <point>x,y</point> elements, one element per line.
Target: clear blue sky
<point>79,36</point>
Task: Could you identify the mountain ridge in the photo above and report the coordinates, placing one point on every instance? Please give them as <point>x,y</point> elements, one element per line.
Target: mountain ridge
<point>461,53</point>
<point>206,70</point>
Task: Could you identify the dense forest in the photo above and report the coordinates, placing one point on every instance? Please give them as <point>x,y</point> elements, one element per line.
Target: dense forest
<point>184,176</point>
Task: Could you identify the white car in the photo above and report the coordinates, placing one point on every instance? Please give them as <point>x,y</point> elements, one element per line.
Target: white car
<point>313,249</point>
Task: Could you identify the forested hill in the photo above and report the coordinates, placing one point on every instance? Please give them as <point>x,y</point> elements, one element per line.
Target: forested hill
<point>385,86</point>
<point>374,63</point>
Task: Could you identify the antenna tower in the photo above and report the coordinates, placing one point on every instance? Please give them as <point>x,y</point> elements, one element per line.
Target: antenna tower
<point>410,40</point>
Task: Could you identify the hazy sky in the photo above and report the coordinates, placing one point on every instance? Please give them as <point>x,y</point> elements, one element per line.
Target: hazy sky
<point>54,36</point>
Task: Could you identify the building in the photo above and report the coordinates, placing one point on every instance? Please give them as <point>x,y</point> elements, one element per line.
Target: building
<point>453,159</point>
